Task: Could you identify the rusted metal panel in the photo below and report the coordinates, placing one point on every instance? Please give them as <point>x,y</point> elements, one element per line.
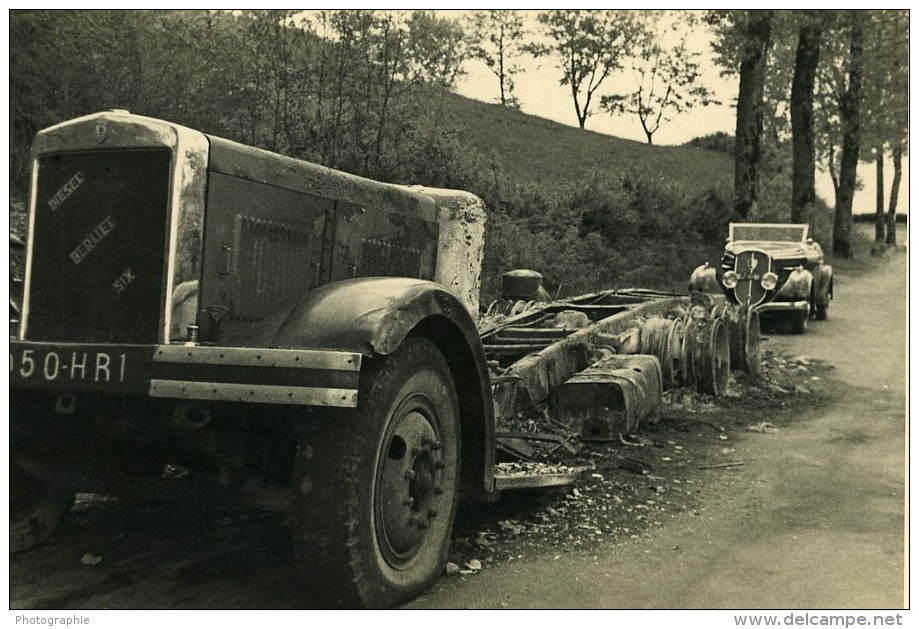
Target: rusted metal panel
<point>613,396</point>
<point>279,171</point>
<point>262,250</point>
<point>542,372</point>
<point>382,243</point>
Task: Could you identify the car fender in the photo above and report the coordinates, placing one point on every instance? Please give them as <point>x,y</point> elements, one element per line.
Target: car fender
<point>704,280</point>
<point>823,284</point>
<point>798,285</point>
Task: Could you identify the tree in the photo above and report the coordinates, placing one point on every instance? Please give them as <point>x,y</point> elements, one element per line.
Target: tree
<point>437,49</point>
<point>861,100</point>
<point>879,216</point>
<point>743,43</point>
<point>891,238</point>
<point>885,104</point>
<point>807,57</point>
<point>668,76</point>
<point>497,38</point>
<point>850,119</point>
<point>589,46</point>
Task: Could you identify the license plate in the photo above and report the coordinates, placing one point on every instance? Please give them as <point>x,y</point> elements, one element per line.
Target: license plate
<point>64,366</point>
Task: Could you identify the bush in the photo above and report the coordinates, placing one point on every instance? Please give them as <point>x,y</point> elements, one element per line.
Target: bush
<point>720,141</point>
<point>605,232</point>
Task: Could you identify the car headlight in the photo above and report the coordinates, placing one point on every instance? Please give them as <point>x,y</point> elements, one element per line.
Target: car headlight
<point>729,279</point>
<point>769,281</point>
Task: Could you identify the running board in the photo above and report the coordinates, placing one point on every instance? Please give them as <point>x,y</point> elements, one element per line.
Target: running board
<point>527,475</point>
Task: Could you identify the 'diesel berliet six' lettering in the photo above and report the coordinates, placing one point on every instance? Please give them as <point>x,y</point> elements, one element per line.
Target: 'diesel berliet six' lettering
<point>92,239</point>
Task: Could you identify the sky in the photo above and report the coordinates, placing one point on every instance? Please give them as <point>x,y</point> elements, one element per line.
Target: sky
<point>541,94</point>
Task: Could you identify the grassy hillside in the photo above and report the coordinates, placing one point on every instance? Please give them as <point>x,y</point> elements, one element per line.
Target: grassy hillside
<point>536,150</point>
<point>587,210</point>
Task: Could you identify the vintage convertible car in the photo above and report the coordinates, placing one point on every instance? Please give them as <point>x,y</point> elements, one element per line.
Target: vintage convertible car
<point>775,268</point>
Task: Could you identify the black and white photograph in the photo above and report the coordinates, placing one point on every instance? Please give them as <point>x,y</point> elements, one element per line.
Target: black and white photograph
<point>459,309</point>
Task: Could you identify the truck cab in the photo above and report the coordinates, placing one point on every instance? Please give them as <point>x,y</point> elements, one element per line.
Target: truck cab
<point>206,320</point>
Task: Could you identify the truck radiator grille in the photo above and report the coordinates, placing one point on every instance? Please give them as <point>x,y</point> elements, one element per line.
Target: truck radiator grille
<point>98,246</point>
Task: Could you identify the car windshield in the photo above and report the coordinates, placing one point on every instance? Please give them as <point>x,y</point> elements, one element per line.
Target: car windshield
<point>768,232</point>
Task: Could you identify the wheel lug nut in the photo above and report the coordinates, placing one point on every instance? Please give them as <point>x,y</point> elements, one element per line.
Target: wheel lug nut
<point>435,445</point>
<point>432,513</point>
<point>410,475</point>
<point>416,450</point>
<point>421,524</point>
<point>408,502</point>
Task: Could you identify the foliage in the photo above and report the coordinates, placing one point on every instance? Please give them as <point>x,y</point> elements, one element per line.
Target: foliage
<point>437,48</point>
<point>719,141</point>
<point>588,46</point>
<point>497,38</point>
<point>668,74</point>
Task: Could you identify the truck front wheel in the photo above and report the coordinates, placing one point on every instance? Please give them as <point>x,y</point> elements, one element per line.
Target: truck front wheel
<point>375,491</point>
<point>35,510</point>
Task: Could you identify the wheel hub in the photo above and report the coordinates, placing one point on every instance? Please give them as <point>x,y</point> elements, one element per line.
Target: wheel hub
<point>410,483</point>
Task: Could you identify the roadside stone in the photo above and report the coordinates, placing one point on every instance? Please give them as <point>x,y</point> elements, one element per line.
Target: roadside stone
<point>90,560</point>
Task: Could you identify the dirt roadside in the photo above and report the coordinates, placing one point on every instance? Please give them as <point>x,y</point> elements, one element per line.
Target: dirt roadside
<point>813,517</point>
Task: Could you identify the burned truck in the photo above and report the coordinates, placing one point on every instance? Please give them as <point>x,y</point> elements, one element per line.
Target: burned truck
<point>206,321</point>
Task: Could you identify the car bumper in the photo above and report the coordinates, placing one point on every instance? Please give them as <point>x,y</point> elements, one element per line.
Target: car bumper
<point>782,306</point>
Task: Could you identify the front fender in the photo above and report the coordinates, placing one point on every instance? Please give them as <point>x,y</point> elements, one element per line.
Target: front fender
<point>373,316</point>
<point>369,315</point>
<point>797,286</point>
<point>705,280</point>
<point>823,284</point>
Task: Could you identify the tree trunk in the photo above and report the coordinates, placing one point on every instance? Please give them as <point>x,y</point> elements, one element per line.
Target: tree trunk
<point>850,115</point>
<point>831,162</point>
<point>879,203</point>
<point>894,194</point>
<point>807,56</point>
<point>749,131</point>
<point>582,114</point>
<point>501,76</point>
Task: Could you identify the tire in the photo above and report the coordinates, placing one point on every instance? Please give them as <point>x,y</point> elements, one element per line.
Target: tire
<point>375,490</point>
<point>35,510</point>
<point>799,322</point>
